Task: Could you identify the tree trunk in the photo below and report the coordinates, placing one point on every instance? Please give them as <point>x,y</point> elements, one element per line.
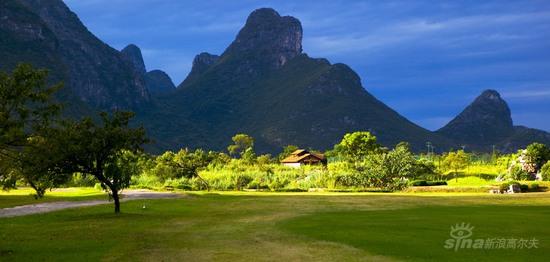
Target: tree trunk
<point>117,200</point>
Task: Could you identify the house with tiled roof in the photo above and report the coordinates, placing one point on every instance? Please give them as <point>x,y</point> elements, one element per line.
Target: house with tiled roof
<point>303,157</point>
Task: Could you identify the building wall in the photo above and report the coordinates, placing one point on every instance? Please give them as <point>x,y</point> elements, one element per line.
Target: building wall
<point>296,165</point>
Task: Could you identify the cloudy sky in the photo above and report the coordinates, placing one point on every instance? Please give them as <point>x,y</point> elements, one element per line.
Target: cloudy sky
<point>426,59</point>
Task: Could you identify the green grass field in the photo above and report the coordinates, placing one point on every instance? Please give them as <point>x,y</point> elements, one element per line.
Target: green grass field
<point>232,226</point>
<point>24,196</point>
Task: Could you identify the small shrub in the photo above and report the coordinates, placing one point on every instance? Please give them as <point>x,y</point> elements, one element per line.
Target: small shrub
<point>242,181</point>
<point>198,184</point>
<point>179,183</point>
<point>419,183</point>
<point>534,187</point>
<point>437,183</point>
<point>80,180</point>
<point>146,181</point>
<point>257,184</point>
<point>506,186</point>
<point>519,174</point>
<point>524,188</point>
<point>545,171</point>
<point>428,183</point>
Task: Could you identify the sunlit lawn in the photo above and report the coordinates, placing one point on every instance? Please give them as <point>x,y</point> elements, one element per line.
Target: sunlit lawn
<point>281,226</point>
<point>24,196</point>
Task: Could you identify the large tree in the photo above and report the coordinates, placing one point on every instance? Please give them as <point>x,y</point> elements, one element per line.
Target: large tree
<point>387,170</point>
<point>39,166</point>
<point>101,150</point>
<point>242,144</point>
<point>455,161</point>
<point>354,147</point>
<point>26,109</point>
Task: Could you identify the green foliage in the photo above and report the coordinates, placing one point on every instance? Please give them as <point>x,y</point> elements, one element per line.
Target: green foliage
<point>537,154</point>
<point>517,173</point>
<point>105,151</point>
<point>428,183</point>
<point>147,181</point>
<point>80,180</point>
<point>470,181</point>
<point>545,171</point>
<point>388,171</point>
<point>249,156</point>
<point>26,105</point>
<point>357,146</point>
<point>242,144</point>
<point>185,163</point>
<point>26,109</point>
<point>424,168</point>
<point>264,160</point>
<point>238,175</point>
<point>39,168</point>
<point>522,187</point>
<point>287,150</point>
<point>455,161</point>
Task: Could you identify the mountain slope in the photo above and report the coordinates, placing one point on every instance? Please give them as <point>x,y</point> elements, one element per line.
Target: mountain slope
<point>263,85</point>
<point>56,39</point>
<point>487,121</point>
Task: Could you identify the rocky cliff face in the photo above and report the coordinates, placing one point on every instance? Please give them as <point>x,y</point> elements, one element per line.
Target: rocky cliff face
<point>132,54</point>
<point>24,37</point>
<point>201,64</point>
<point>159,83</point>
<point>487,121</point>
<point>268,37</point>
<point>92,71</point>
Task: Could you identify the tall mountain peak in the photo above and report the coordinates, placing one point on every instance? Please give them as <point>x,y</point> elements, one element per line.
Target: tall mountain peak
<point>491,94</point>
<point>132,54</point>
<point>158,82</point>
<point>277,38</point>
<point>201,64</point>
<point>487,119</point>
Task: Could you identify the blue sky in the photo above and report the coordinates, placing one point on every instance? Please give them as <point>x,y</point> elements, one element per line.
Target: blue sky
<point>426,59</point>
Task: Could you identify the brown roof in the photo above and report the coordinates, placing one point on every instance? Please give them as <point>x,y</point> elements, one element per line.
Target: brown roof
<point>299,155</point>
<point>298,152</point>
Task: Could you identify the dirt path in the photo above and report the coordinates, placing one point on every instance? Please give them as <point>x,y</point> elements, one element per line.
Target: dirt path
<point>59,205</point>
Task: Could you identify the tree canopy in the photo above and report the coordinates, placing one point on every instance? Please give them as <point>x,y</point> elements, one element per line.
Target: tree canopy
<point>455,161</point>
<point>537,154</point>
<point>100,150</point>
<point>241,144</point>
<point>26,109</point>
<point>356,146</point>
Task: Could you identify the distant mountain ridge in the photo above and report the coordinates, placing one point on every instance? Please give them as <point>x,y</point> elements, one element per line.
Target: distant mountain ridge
<point>262,84</point>
<point>487,122</point>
